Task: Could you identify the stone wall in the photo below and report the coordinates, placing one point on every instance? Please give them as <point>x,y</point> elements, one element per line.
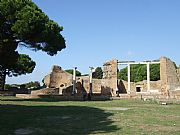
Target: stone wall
<point>178,72</point>
<point>154,86</point>
<point>110,75</point>
<point>84,83</point>
<point>45,91</point>
<point>168,75</point>
<point>58,78</point>
<point>168,72</point>
<point>99,86</point>
<point>175,94</point>
<point>47,80</point>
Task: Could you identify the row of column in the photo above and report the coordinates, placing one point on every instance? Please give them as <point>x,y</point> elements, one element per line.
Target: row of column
<point>129,77</point>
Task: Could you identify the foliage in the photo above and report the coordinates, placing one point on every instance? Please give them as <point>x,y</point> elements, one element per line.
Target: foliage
<point>7,86</point>
<point>31,84</point>
<point>71,72</point>
<point>98,74</point>
<point>155,72</point>
<point>123,74</point>
<point>22,23</point>
<point>139,73</point>
<point>23,65</point>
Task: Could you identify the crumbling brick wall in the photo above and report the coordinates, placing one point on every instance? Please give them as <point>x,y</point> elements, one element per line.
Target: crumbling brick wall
<point>58,78</point>
<point>123,86</point>
<point>178,72</point>
<point>110,76</point>
<point>168,75</point>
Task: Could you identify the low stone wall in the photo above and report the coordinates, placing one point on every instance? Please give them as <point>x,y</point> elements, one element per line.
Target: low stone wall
<point>175,94</point>
<point>80,98</point>
<point>45,91</point>
<point>65,98</point>
<point>154,85</point>
<point>147,95</point>
<point>26,96</point>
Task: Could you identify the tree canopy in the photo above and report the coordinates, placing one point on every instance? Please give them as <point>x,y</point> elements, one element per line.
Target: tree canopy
<point>98,74</point>
<point>139,73</point>
<point>29,85</point>
<point>71,72</point>
<point>23,65</point>
<point>23,23</point>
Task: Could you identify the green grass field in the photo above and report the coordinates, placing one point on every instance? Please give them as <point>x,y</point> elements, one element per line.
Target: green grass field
<point>52,117</point>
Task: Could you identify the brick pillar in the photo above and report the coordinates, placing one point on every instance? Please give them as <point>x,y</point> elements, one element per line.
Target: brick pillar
<point>163,75</point>
<point>110,73</point>
<point>168,75</point>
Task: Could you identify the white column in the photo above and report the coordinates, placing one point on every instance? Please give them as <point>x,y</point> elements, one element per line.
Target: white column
<point>74,81</point>
<point>90,76</point>
<point>129,79</point>
<point>148,76</point>
<point>90,80</point>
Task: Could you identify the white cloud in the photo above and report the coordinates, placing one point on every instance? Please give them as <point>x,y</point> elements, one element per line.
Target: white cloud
<point>130,53</point>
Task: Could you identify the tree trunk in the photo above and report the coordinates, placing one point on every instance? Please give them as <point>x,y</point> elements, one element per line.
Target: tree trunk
<point>3,80</point>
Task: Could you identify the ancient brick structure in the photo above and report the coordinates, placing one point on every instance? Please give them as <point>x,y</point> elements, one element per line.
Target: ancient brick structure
<point>59,82</point>
<point>178,72</point>
<point>169,77</point>
<point>110,69</point>
<point>58,78</point>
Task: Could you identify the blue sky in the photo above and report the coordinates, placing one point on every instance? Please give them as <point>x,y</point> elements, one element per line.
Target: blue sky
<point>101,30</point>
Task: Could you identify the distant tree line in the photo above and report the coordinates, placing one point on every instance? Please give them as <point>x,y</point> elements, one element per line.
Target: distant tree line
<point>70,71</point>
<point>29,85</point>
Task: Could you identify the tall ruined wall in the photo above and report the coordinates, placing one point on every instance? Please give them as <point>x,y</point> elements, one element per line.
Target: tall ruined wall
<point>110,75</point>
<point>58,78</point>
<point>168,71</point>
<point>168,75</point>
<point>46,80</point>
<point>178,72</point>
<point>83,84</point>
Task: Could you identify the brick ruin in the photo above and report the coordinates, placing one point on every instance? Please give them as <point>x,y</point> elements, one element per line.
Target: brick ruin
<point>170,78</point>
<point>59,82</point>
